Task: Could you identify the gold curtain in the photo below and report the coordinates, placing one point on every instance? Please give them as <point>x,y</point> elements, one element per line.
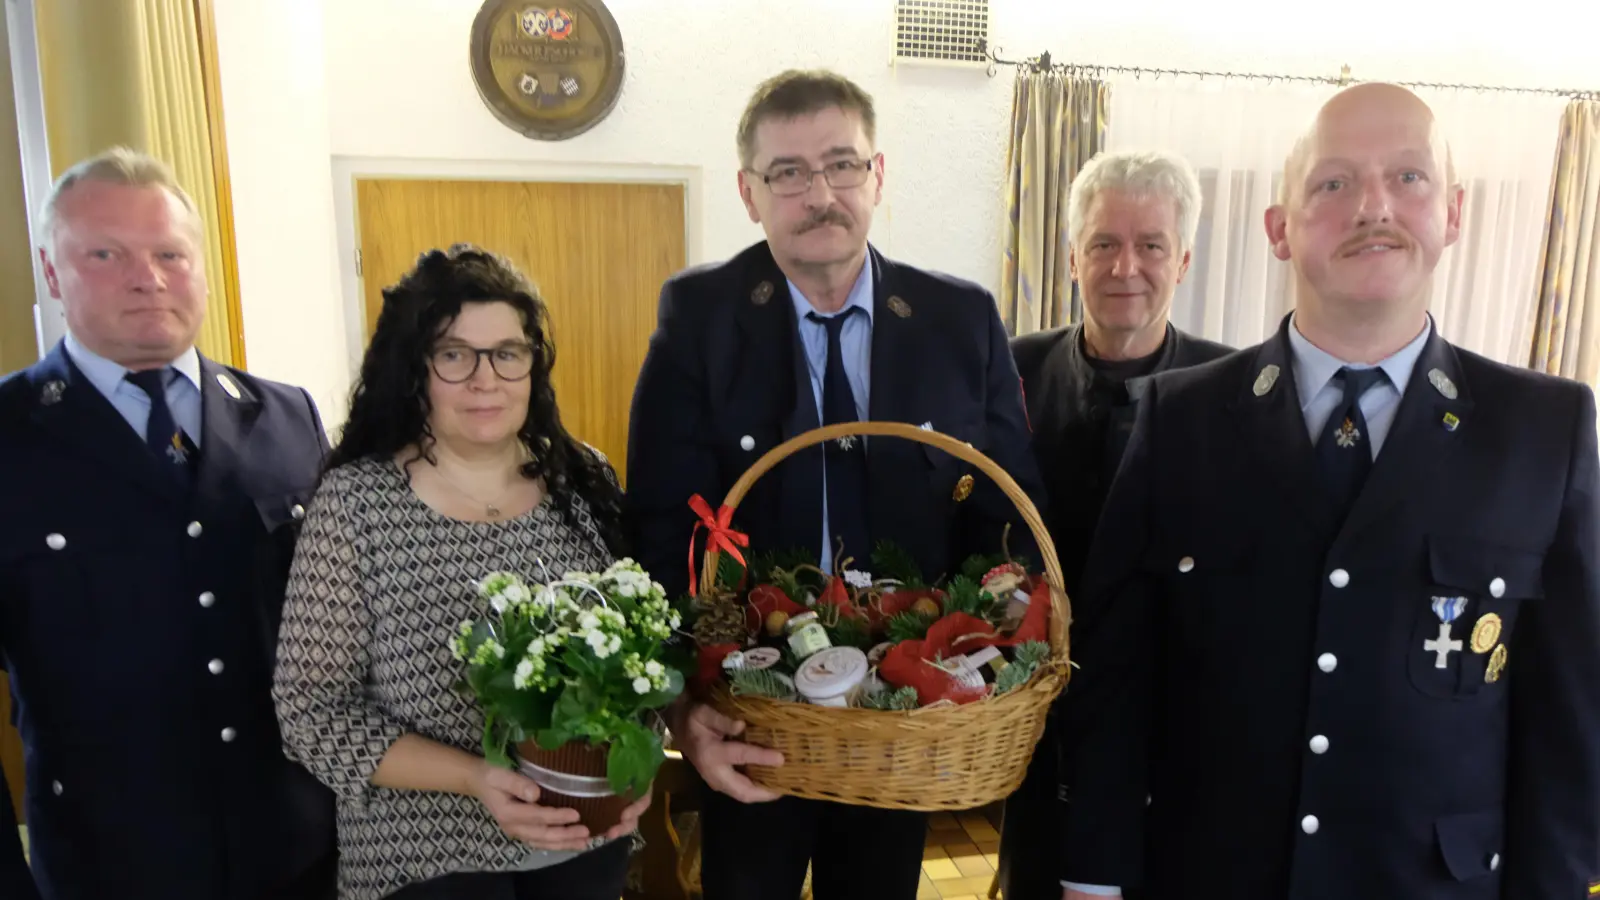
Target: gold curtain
<point>1058,123</point>
<point>142,73</point>
<point>1566,326</point>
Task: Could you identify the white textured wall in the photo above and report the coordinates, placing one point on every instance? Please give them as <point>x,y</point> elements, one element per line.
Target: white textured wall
<point>397,84</point>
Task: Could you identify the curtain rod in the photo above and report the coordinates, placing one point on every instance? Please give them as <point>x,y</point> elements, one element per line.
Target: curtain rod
<point>1043,63</point>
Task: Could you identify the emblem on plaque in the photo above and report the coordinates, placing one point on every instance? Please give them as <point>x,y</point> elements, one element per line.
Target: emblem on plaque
<point>549,72</point>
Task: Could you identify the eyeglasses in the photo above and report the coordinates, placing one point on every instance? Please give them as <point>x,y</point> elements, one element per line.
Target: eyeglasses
<point>458,363</point>
<point>789,181</point>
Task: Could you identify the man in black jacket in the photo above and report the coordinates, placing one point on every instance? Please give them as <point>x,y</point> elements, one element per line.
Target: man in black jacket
<point>814,326</point>
<point>1340,632</point>
<point>1132,219</point>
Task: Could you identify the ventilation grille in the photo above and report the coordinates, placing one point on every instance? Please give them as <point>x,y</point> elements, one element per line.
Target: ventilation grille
<point>949,31</point>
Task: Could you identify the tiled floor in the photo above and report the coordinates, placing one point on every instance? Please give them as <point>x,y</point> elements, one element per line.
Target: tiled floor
<point>961,855</point>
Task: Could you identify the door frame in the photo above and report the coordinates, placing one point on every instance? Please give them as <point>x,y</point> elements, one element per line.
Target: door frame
<point>348,169</point>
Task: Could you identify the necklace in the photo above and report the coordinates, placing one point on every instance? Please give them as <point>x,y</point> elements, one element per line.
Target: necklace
<point>491,509</point>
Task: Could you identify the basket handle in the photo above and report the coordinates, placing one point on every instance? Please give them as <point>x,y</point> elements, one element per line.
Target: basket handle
<point>1061,607</point>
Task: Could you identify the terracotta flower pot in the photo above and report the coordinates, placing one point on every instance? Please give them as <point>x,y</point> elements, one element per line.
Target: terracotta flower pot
<point>574,776</point>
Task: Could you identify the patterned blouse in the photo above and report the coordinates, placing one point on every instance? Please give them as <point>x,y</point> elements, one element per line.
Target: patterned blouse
<point>379,583</point>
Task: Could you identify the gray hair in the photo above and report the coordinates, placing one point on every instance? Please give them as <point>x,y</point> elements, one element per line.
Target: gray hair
<point>1141,172</point>
<point>119,165</point>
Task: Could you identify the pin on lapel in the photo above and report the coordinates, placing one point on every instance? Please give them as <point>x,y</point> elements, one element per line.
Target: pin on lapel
<point>1265,380</point>
<point>900,307</point>
<point>1442,383</point>
<point>1451,423</point>
<point>926,426</point>
<point>52,392</point>
<point>229,386</point>
<point>963,489</point>
<point>761,294</point>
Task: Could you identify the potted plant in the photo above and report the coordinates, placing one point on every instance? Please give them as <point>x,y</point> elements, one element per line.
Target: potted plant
<point>568,674</point>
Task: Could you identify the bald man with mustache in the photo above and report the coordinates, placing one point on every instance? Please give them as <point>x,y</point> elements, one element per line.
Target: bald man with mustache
<point>1339,635</point>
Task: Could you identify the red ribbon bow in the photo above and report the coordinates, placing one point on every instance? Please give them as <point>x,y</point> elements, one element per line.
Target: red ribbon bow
<point>719,536</point>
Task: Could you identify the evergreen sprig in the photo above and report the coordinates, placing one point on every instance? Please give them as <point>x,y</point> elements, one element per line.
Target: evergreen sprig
<point>849,631</point>
<point>910,626</point>
<point>964,595</point>
<point>901,699</point>
<point>890,560</point>
<point>760,683</point>
<point>1029,657</point>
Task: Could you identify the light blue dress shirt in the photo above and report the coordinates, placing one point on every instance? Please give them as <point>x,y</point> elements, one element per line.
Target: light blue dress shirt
<point>110,379</point>
<point>1314,369</point>
<point>855,341</point>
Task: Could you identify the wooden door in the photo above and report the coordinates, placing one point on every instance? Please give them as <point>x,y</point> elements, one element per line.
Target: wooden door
<point>598,253</point>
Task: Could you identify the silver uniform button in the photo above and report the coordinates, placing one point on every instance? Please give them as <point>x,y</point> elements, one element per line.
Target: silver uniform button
<point>1497,588</point>
<point>1327,662</point>
<point>207,598</point>
<point>1319,745</point>
<point>215,666</point>
<point>1310,824</point>
<point>298,511</point>
<point>195,529</point>
<point>1494,862</point>
<point>1338,578</point>
<point>747,443</point>
<point>55,541</point>
<point>56,787</point>
<point>228,734</point>
<point>1186,564</point>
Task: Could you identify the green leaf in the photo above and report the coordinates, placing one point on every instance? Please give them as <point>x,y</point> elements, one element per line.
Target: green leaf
<point>494,749</point>
<point>633,759</point>
<point>964,595</point>
<point>901,699</point>
<point>910,626</point>
<point>1029,656</point>
<point>760,683</point>
<point>889,560</point>
<point>729,573</point>
<point>849,631</point>
<point>979,565</point>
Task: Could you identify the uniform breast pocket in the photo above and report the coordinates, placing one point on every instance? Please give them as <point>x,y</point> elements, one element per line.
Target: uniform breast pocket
<point>1465,618</point>
<point>945,470</point>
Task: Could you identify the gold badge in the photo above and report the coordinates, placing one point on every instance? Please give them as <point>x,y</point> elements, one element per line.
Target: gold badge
<point>1497,665</point>
<point>1486,633</point>
<point>228,385</point>
<point>761,294</point>
<point>1265,381</point>
<point>1442,383</point>
<point>900,307</point>
<point>1451,422</point>
<point>963,488</point>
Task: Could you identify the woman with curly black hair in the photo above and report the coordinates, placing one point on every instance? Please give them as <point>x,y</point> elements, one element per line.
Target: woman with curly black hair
<point>453,464</point>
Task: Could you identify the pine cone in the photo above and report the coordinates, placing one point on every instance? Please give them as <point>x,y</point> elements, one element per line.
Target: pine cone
<point>721,621</point>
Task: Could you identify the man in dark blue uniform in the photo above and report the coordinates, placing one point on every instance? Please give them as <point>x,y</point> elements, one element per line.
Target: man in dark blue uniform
<point>814,327</point>
<point>151,505</point>
<point>1340,631</point>
<point>1132,219</point>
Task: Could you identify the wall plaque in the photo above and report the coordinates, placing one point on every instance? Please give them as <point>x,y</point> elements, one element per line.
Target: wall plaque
<point>549,72</point>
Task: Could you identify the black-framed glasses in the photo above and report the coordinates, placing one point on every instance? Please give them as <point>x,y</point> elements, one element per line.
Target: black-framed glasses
<point>789,181</point>
<point>456,363</point>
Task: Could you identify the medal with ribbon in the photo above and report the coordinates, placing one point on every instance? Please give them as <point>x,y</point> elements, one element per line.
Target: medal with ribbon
<point>1448,609</point>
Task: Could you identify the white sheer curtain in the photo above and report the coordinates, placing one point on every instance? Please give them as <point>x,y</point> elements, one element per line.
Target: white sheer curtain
<point>1236,134</point>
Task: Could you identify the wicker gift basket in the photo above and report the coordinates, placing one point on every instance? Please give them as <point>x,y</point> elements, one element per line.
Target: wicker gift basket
<point>942,757</point>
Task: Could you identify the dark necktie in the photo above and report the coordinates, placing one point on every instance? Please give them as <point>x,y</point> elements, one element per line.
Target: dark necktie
<point>162,434</point>
<point>844,461</point>
<point>1345,449</point>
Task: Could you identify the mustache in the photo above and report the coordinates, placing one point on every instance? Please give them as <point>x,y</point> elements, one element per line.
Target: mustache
<point>826,217</point>
<point>1377,234</point>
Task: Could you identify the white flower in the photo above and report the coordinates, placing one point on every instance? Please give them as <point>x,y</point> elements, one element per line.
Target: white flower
<point>499,602</point>
<point>616,644</point>
<point>589,622</point>
<point>595,639</point>
<point>524,674</point>
<point>858,580</point>
<point>545,599</point>
<point>641,685</point>
<point>653,669</point>
<point>515,594</point>
<point>675,621</point>
<point>536,647</point>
